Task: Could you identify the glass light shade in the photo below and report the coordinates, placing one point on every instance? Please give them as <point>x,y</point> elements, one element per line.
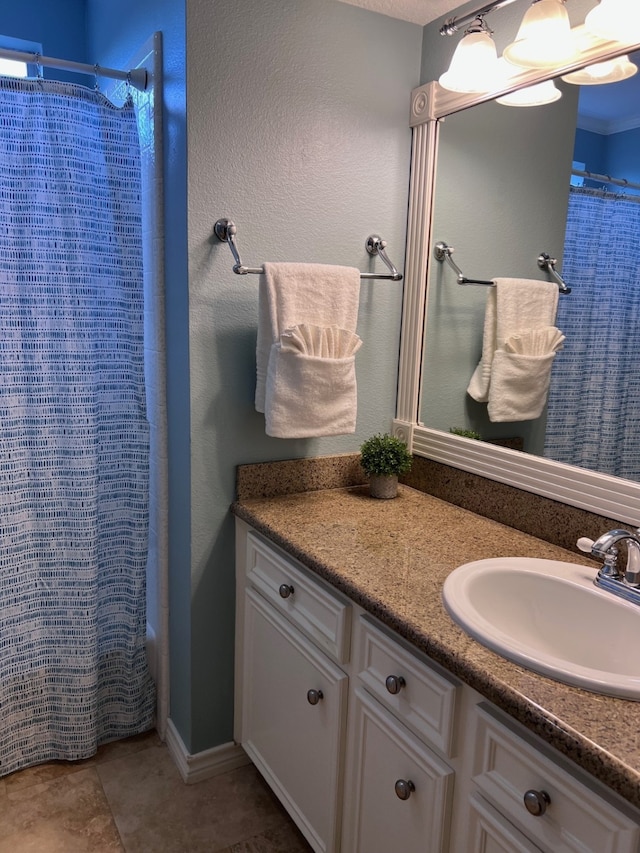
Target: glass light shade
<point>603,72</point>
<point>615,20</point>
<point>544,39</point>
<point>532,96</point>
<point>474,65</point>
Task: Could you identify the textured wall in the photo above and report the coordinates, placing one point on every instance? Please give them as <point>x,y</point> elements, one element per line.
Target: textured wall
<point>298,131</point>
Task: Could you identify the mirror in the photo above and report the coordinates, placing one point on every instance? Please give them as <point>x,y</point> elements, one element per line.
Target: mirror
<point>501,193</point>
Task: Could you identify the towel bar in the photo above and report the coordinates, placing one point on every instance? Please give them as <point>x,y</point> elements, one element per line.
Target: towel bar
<point>442,252</point>
<point>225,231</point>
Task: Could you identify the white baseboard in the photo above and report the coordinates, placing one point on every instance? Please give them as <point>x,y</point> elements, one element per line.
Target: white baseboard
<point>203,765</point>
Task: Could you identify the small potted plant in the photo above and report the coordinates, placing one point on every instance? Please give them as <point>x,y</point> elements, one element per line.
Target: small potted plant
<point>383,458</point>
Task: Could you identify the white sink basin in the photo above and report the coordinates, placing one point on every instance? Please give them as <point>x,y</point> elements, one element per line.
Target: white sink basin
<point>550,618</point>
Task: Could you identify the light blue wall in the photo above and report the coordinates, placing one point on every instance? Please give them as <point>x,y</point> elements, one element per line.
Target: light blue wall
<point>59,27</point>
<point>298,131</point>
<point>591,149</point>
<point>622,155</point>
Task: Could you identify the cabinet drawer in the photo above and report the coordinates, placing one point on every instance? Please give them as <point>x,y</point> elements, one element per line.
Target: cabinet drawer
<point>577,818</point>
<point>320,614</point>
<point>400,792</point>
<point>490,832</point>
<point>426,697</point>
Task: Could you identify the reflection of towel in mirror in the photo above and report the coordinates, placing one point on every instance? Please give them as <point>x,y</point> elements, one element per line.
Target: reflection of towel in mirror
<point>513,305</point>
<point>520,374</point>
<point>289,294</point>
<point>311,382</point>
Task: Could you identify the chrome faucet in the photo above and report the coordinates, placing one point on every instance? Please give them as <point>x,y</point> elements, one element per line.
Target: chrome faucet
<point>609,577</point>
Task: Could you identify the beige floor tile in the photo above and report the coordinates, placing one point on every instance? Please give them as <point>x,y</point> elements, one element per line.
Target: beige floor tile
<point>283,839</point>
<point>65,814</point>
<point>155,812</point>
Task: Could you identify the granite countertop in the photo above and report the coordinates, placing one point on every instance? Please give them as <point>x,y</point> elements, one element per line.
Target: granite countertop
<point>392,557</point>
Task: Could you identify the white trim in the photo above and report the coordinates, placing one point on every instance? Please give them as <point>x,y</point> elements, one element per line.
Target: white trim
<point>599,493</point>
<point>203,765</point>
<point>607,127</point>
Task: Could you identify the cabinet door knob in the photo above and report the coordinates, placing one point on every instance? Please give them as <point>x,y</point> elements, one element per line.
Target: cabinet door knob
<point>285,590</point>
<point>404,789</point>
<point>536,802</point>
<point>314,696</point>
<point>394,683</point>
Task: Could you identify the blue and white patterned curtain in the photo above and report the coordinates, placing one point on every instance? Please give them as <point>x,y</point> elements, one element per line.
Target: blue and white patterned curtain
<point>594,401</point>
<point>73,428</point>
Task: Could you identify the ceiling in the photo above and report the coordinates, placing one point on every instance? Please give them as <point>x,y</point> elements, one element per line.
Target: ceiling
<point>416,11</point>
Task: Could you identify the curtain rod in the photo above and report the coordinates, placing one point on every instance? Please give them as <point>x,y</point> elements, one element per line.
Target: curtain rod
<point>606,179</point>
<point>136,77</point>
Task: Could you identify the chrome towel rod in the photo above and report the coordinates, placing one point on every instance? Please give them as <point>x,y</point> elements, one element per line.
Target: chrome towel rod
<point>442,252</point>
<point>225,231</point>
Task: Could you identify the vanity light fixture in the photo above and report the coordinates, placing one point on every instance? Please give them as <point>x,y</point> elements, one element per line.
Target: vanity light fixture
<point>474,66</point>
<point>603,72</point>
<point>615,20</point>
<point>532,96</point>
<point>544,38</point>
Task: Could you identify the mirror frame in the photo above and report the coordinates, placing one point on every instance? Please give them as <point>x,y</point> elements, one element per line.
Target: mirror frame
<point>602,494</point>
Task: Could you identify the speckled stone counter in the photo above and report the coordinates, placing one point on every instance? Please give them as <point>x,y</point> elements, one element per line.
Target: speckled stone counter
<point>392,557</point>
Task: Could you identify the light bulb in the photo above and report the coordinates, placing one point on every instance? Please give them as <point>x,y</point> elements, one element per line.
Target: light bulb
<point>474,66</point>
<point>603,72</point>
<point>532,96</point>
<point>544,38</point>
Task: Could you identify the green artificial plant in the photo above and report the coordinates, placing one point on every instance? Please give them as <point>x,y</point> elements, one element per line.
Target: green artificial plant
<point>384,455</point>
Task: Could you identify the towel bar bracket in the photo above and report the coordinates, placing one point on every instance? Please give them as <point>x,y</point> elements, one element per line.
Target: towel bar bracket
<point>547,263</point>
<point>442,252</point>
<point>376,246</point>
<point>225,230</point>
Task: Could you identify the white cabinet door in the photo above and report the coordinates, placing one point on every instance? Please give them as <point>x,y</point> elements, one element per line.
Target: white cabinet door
<point>294,706</point>
<point>399,794</point>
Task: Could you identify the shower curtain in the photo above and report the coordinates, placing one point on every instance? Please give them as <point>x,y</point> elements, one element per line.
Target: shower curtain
<point>593,416</point>
<point>74,460</point>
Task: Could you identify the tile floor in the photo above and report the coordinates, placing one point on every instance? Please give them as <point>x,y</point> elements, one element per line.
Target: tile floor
<point>130,798</point>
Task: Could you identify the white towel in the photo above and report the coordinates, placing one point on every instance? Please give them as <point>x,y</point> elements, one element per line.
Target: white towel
<point>311,383</point>
<point>292,294</point>
<point>513,305</point>
<point>521,373</point>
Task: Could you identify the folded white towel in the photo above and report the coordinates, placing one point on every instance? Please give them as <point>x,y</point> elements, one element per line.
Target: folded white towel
<point>535,341</point>
<point>311,383</point>
<point>521,374</point>
<point>292,294</point>
<point>513,305</point>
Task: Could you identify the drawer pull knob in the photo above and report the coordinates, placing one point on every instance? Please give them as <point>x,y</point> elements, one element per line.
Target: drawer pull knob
<point>314,696</point>
<point>536,802</point>
<point>404,789</point>
<point>285,590</point>
<point>394,684</point>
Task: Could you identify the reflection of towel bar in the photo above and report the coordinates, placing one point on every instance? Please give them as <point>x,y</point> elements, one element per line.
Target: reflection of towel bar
<point>225,230</point>
<point>442,252</point>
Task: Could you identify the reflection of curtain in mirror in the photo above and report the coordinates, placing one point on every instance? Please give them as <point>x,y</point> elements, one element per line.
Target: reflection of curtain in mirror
<point>594,402</point>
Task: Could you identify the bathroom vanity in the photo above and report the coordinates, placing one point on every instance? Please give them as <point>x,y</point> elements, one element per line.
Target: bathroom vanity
<point>381,725</point>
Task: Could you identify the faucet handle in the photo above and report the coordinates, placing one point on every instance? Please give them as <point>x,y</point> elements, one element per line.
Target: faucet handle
<point>610,567</point>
